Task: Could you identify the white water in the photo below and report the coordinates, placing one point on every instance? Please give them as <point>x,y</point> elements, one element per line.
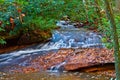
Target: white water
<point>56,68</point>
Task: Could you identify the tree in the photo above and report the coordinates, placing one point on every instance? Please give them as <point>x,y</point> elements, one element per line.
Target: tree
<point>110,16</point>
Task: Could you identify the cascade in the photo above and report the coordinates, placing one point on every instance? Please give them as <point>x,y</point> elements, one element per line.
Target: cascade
<point>66,37</point>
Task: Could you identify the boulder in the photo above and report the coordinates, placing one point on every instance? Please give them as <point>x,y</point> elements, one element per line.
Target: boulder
<point>89,57</point>
<point>75,59</point>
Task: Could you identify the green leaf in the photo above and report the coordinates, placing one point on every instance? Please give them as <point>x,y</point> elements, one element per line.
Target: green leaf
<point>2,41</point>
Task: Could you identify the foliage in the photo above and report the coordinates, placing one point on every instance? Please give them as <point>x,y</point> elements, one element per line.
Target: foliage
<point>110,16</point>
<point>17,15</point>
<point>106,29</point>
<point>2,41</point>
<point>38,23</point>
<point>27,15</point>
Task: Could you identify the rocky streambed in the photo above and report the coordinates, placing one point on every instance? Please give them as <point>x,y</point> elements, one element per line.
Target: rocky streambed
<point>70,52</point>
<point>64,64</point>
<point>83,60</point>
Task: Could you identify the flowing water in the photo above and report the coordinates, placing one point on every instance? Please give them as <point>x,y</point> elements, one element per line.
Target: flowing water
<point>67,37</point>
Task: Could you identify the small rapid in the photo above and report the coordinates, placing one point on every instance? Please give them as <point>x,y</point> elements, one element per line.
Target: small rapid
<point>57,68</point>
<point>66,37</point>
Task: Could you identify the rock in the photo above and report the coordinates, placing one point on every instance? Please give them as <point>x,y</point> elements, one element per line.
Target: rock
<point>89,57</point>
<point>75,59</point>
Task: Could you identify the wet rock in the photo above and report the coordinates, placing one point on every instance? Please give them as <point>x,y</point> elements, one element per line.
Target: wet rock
<point>75,59</point>
<point>79,25</point>
<point>89,57</point>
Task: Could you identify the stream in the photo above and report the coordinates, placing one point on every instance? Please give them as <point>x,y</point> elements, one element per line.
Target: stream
<point>66,37</point>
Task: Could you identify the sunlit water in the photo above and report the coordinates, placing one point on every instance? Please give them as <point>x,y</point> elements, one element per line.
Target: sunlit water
<point>66,37</point>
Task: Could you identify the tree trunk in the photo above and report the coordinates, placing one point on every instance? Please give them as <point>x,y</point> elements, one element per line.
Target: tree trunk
<point>115,37</point>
